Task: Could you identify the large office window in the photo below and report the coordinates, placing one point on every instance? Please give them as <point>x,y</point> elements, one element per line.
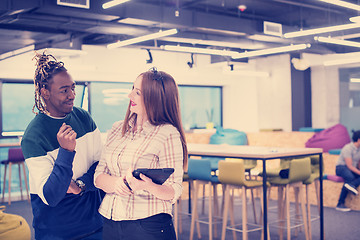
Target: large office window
<point>17,100</point>
<point>199,105</point>
<point>108,103</point>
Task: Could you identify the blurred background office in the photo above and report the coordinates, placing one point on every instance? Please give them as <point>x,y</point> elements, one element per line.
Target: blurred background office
<point>249,65</point>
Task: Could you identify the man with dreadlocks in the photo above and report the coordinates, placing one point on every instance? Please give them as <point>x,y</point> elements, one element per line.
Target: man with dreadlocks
<point>62,147</point>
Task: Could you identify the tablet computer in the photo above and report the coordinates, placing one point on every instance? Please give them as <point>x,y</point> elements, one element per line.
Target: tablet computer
<point>157,175</point>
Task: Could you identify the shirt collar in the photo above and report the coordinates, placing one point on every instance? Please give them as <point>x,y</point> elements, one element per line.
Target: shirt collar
<point>146,127</point>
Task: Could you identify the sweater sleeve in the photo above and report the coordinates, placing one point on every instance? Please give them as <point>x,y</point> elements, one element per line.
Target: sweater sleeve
<point>58,182</point>
<point>50,173</point>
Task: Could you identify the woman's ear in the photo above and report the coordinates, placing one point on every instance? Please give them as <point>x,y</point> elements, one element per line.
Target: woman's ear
<point>45,93</point>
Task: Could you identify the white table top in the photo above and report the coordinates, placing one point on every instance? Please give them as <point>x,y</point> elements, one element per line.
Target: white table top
<point>245,151</point>
<point>12,144</point>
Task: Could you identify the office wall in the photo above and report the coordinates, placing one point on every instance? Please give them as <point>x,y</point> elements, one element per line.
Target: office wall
<point>274,93</point>
<point>325,96</point>
<point>249,103</point>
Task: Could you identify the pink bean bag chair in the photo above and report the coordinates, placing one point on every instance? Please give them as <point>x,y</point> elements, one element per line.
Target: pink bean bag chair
<point>330,138</point>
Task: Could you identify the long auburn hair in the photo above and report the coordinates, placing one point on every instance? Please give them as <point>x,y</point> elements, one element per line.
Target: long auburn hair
<point>161,100</point>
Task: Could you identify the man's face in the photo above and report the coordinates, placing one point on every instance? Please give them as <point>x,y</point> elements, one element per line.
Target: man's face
<point>59,98</point>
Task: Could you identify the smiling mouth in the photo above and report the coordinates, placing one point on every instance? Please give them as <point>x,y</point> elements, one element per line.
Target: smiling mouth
<point>132,103</point>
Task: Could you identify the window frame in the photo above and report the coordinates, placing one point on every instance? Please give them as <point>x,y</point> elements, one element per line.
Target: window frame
<point>23,81</point>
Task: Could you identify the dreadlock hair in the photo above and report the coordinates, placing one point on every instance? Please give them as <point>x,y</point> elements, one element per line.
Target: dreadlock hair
<point>46,67</point>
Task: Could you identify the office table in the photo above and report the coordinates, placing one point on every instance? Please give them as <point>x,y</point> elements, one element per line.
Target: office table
<point>12,144</point>
<point>263,154</point>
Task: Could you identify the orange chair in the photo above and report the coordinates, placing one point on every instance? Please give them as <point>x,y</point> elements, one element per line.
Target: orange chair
<point>15,156</point>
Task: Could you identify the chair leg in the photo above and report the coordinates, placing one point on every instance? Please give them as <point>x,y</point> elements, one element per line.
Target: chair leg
<point>3,193</point>
<point>203,200</point>
<point>244,214</point>
<point>9,182</point>
<point>179,216</point>
<point>176,218</point>
<point>193,211</point>
<point>287,189</point>
<point>280,211</point>
<point>194,214</point>
<point>19,166</point>
<point>302,200</point>
<point>297,212</point>
<point>223,198</point>
<point>308,209</point>
<point>192,186</point>
<point>26,182</point>
<point>216,207</point>
<point>232,219</point>
<point>226,210</point>
<point>210,214</point>
<point>253,205</point>
<point>317,191</point>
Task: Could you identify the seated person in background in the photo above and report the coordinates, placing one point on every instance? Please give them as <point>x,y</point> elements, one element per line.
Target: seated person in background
<point>347,168</point>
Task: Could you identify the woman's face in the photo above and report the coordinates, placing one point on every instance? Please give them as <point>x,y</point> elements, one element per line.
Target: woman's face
<point>136,99</point>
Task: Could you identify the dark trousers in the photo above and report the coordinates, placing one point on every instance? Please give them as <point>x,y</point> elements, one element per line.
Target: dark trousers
<point>157,227</point>
<point>349,177</point>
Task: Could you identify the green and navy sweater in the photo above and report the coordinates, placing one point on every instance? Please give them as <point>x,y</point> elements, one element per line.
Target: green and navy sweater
<point>57,214</point>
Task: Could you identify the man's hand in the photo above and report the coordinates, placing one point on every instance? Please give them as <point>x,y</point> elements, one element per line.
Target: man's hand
<point>66,137</point>
<point>73,188</point>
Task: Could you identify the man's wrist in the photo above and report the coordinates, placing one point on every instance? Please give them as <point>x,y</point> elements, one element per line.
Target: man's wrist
<point>81,185</point>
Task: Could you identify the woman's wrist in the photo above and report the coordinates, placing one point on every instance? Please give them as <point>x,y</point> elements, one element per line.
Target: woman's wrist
<point>127,184</point>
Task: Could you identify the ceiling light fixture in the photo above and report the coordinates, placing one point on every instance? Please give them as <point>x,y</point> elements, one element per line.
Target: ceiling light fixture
<point>355,19</point>
<point>142,38</point>
<point>113,3</point>
<point>341,61</point>
<point>321,30</point>
<point>271,51</point>
<point>338,41</point>
<point>343,4</point>
<point>198,50</point>
<point>239,44</point>
<point>355,80</point>
<point>17,52</point>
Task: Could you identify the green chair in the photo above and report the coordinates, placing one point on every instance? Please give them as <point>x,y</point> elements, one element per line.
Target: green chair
<point>248,165</point>
<point>232,175</point>
<point>299,171</point>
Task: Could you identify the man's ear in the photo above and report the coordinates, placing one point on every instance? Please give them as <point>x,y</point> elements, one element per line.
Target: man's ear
<point>45,93</point>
